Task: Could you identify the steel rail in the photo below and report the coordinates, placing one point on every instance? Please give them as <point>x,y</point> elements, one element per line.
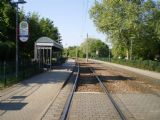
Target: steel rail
<point>54,98</point>
<point>110,97</point>
<point>69,100</point>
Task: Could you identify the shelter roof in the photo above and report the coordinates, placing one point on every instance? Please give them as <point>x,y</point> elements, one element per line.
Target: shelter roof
<point>48,42</point>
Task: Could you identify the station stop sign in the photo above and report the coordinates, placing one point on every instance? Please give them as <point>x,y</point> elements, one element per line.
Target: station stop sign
<point>23,31</point>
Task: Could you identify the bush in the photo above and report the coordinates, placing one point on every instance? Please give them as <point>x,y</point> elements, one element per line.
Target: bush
<point>142,64</point>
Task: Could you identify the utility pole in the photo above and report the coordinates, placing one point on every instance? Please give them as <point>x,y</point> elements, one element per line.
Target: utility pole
<point>76,52</point>
<point>131,49</point>
<point>109,50</point>
<point>109,55</point>
<point>87,49</point>
<point>16,40</point>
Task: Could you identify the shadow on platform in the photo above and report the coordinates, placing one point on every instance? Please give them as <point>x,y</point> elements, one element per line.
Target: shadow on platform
<point>12,106</point>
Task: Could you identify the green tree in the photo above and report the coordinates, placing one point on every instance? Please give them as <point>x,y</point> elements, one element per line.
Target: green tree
<point>126,21</point>
<point>95,47</point>
<point>72,51</point>
<point>38,27</point>
<point>7,30</point>
<point>48,29</point>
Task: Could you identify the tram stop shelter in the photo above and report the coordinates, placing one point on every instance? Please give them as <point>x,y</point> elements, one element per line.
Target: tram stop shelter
<point>45,49</point>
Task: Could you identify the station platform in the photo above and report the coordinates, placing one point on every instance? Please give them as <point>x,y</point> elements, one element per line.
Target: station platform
<point>29,99</point>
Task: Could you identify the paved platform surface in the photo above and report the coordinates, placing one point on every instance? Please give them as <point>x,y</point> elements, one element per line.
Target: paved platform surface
<point>151,74</point>
<point>28,100</point>
<point>138,106</point>
<point>92,106</point>
<point>56,108</point>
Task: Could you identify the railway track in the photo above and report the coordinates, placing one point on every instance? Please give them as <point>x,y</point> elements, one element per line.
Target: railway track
<point>134,82</point>
<point>89,93</point>
<point>110,97</point>
<point>69,100</point>
<point>67,112</point>
<point>32,98</point>
<point>56,106</point>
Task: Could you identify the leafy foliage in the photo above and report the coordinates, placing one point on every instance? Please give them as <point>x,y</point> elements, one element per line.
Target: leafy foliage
<point>126,21</point>
<point>95,48</point>
<point>71,51</point>
<point>38,27</point>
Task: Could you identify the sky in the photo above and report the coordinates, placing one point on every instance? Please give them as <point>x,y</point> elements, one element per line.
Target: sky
<point>70,16</point>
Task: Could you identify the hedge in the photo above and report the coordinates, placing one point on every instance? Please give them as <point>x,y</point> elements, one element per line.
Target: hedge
<point>142,64</point>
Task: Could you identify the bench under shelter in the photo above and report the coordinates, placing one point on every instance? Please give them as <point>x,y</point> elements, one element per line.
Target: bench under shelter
<point>45,50</point>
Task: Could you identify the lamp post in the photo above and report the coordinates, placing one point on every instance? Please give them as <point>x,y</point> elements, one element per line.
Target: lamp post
<point>16,4</point>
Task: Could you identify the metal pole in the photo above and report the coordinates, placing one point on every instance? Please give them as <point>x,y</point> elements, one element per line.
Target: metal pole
<point>109,56</point>
<point>87,49</point>
<point>16,40</point>
<point>50,58</point>
<point>39,58</point>
<point>5,82</point>
<point>76,52</point>
<point>131,50</point>
<point>47,56</point>
<point>43,57</point>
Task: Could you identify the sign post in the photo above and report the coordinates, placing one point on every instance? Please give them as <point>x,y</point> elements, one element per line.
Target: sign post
<point>23,31</point>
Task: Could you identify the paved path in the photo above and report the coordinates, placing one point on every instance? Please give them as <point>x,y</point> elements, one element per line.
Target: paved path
<point>138,106</point>
<point>29,99</point>
<point>151,74</point>
<point>92,106</point>
<point>56,108</point>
